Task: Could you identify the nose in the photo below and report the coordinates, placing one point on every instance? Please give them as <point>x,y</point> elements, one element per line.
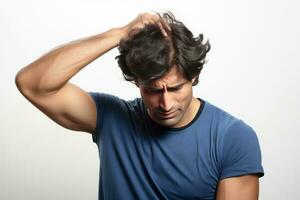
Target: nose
<point>166,103</point>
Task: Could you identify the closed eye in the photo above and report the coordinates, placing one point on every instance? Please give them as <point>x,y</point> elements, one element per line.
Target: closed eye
<point>175,89</point>
<point>154,91</point>
<point>150,90</point>
<point>157,91</point>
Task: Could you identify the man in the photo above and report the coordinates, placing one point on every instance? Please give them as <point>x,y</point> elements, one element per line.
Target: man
<point>166,144</point>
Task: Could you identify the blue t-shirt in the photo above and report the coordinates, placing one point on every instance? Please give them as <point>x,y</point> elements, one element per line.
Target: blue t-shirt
<point>141,160</point>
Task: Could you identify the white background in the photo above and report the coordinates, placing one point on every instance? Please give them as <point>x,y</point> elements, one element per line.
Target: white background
<point>252,73</point>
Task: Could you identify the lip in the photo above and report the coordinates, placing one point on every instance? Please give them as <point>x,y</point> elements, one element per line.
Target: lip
<point>167,115</point>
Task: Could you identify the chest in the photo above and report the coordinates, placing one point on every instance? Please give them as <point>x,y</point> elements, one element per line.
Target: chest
<point>175,165</point>
<point>183,165</point>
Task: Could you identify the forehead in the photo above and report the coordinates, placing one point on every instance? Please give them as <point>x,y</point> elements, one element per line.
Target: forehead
<point>171,78</point>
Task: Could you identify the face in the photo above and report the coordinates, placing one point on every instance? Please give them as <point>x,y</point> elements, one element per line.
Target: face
<point>169,99</point>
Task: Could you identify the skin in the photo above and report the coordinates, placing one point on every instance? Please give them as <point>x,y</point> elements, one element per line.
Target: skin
<point>169,100</point>
<point>238,188</point>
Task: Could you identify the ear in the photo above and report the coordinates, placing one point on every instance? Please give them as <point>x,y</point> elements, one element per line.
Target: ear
<point>193,80</point>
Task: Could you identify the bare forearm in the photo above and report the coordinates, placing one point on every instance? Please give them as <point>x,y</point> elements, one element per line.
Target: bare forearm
<point>50,72</point>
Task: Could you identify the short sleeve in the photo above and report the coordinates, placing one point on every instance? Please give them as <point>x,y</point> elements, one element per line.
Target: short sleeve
<point>104,104</point>
<point>241,153</point>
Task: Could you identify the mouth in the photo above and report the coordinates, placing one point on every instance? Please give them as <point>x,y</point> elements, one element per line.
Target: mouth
<point>168,115</point>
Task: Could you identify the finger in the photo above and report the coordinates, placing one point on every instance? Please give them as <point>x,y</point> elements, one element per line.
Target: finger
<point>141,18</point>
<point>151,21</point>
<point>162,29</point>
<point>157,21</point>
<point>165,25</point>
<point>160,19</point>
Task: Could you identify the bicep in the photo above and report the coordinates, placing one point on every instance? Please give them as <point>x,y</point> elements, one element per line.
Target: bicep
<point>70,107</point>
<point>238,188</point>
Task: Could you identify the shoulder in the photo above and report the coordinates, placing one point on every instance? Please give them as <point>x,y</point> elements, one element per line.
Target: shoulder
<point>238,149</point>
<point>112,109</point>
<point>105,101</point>
<point>219,118</point>
<point>229,129</point>
<point>100,97</point>
<point>232,127</point>
<point>234,141</point>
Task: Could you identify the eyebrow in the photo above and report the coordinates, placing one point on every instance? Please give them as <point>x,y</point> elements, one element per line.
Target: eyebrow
<point>172,87</point>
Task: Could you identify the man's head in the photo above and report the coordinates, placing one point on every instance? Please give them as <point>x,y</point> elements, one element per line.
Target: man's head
<point>164,68</point>
<point>168,99</point>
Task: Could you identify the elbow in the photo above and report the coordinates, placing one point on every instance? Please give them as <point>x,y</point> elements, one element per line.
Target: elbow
<point>20,82</point>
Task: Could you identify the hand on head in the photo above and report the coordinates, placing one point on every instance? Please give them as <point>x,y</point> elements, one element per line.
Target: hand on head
<point>144,19</point>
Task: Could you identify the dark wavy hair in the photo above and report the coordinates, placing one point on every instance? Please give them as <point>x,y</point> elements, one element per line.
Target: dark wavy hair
<point>146,54</point>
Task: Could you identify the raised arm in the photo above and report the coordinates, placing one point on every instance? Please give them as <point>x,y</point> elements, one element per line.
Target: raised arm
<point>44,82</point>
